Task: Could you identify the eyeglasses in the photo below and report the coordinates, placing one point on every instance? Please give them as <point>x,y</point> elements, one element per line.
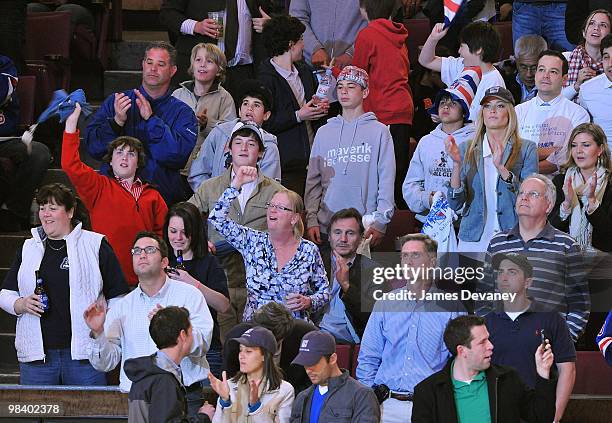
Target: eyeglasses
<point>534,195</point>
<point>278,207</point>
<point>136,251</point>
<point>415,255</point>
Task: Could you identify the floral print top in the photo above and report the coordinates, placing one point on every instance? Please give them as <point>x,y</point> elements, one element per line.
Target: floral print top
<point>303,274</point>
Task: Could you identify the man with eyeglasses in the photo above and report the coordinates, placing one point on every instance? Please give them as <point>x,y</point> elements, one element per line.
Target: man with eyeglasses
<point>548,118</point>
<point>122,332</point>
<point>519,75</point>
<point>559,277</point>
<point>246,146</point>
<point>403,340</point>
<point>517,329</point>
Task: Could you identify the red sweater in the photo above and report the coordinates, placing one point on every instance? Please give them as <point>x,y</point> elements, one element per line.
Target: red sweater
<point>113,210</point>
<point>380,49</point>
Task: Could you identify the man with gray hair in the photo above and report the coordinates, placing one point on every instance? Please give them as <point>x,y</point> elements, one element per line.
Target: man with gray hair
<point>166,126</point>
<point>519,75</point>
<point>559,278</point>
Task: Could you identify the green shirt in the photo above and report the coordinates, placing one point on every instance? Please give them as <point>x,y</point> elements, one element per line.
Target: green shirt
<point>472,399</point>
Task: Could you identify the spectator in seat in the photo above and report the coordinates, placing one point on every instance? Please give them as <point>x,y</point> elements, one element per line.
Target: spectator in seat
<point>295,117</point>
<point>23,163</point>
<point>210,102</point>
<point>191,263</point>
<point>548,118</point>
<point>352,164</point>
<point>559,277</point>
<point>121,332</point>
<point>459,392</point>
<point>390,99</point>
<point>80,11</point>
<point>402,343</point>
<point>430,166</point>
<point>595,94</point>
<point>166,126</point>
<point>255,105</point>
<point>333,392</point>
<point>75,267</point>
<point>487,172</point>
<point>585,60</point>
<point>288,333</point>
<point>120,203</point>
<point>280,265</point>
<point>331,29</point>
<point>157,392</point>
<point>249,209</point>
<point>480,45</point>
<point>346,315</point>
<point>517,328</point>
<point>519,76</point>
<point>257,392</point>
<point>575,14</point>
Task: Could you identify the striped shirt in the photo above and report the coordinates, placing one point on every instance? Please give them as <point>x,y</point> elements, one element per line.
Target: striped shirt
<point>559,276</point>
<point>135,188</point>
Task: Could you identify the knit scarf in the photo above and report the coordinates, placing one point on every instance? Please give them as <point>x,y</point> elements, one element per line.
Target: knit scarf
<point>580,228</point>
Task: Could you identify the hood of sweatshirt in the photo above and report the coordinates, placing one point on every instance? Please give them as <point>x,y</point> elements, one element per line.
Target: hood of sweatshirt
<point>141,367</point>
<point>394,32</point>
<point>226,128</point>
<point>462,134</point>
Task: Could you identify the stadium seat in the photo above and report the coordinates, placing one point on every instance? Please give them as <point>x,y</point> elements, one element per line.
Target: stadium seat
<point>505,31</point>
<point>593,375</point>
<point>402,223</point>
<point>354,361</point>
<point>343,352</point>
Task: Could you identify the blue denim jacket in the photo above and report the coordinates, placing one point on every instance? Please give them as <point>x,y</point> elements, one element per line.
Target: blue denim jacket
<point>471,194</point>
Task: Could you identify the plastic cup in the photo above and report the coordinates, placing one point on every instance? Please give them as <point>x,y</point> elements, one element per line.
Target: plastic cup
<point>219,18</point>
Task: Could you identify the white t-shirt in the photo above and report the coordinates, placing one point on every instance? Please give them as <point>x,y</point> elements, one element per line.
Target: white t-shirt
<point>491,226</point>
<point>453,66</point>
<point>549,124</point>
<point>596,96</point>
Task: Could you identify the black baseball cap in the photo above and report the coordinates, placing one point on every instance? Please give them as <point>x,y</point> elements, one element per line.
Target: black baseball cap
<point>258,336</point>
<point>315,345</point>
<point>519,259</point>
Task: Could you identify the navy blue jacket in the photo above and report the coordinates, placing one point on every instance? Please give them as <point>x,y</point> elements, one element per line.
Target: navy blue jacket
<point>168,136</point>
<point>9,106</point>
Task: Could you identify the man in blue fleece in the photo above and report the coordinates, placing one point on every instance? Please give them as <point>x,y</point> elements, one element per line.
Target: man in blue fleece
<point>352,164</point>
<point>166,126</point>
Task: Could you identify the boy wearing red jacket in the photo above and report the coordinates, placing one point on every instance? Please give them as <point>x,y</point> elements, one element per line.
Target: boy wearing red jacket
<point>120,204</point>
<point>380,49</point>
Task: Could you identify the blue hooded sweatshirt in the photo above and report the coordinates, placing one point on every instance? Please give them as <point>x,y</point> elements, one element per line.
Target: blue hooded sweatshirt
<point>168,136</point>
<point>352,164</point>
<point>9,106</point>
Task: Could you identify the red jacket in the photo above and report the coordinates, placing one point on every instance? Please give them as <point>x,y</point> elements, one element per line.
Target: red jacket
<point>113,210</point>
<point>380,49</point>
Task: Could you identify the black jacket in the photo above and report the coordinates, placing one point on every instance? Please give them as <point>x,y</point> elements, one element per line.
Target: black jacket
<point>346,400</point>
<point>600,219</point>
<point>292,136</point>
<point>361,271</point>
<point>294,374</point>
<point>510,400</point>
<point>156,395</point>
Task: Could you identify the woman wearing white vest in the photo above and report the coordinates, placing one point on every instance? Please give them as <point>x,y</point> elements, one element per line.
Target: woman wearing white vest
<point>77,267</point>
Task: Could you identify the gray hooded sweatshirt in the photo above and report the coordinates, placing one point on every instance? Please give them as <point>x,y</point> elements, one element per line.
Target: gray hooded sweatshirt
<point>210,161</point>
<point>352,164</point>
<point>430,168</point>
<point>330,24</point>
